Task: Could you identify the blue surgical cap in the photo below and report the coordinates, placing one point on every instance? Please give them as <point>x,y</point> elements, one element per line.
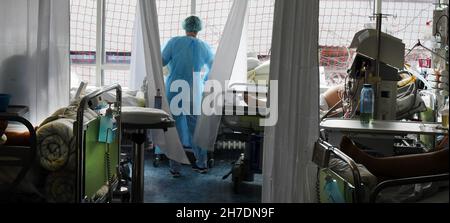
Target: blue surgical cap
<point>192,24</point>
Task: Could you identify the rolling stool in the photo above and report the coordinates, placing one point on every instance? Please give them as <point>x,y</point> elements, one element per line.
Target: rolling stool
<point>141,119</point>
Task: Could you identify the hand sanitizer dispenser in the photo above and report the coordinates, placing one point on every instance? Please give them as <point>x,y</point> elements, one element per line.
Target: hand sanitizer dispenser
<point>107,126</point>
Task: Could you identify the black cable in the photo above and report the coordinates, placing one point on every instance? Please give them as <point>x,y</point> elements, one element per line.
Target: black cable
<point>318,185</point>
<point>426,48</point>
<point>437,22</point>
<point>331,110</point>
<point>108,168</point>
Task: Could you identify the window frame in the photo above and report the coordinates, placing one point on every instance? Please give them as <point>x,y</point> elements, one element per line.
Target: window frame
<point>100,56</point>
<point>101,65</point>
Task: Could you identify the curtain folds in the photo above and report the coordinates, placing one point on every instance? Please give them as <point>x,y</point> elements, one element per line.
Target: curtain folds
<point>226,62</point>
<point>169,142</point>
<point>34,59</point>
<point>288,173</point>
<point>137,66</point>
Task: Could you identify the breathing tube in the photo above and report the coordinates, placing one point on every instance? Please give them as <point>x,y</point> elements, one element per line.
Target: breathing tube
<point>419,76</point>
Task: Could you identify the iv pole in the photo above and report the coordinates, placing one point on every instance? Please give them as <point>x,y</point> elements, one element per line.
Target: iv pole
<point>378,26</point>
<point>377,13</point>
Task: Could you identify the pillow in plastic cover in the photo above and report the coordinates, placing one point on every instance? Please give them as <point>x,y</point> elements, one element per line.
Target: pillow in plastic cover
<point>342,169</point>
<point>252,63</point>
<point>139,115</point>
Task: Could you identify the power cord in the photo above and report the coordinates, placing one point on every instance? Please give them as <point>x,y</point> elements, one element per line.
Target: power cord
<point>437,22</point>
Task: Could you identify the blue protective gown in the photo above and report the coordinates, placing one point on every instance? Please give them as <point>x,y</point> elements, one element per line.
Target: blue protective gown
<point>188,59</point>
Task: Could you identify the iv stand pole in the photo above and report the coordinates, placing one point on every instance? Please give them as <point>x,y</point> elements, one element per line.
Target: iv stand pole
<point>379,18</point>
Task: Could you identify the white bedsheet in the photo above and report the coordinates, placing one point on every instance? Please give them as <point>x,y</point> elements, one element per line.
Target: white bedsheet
<point>129,98</point>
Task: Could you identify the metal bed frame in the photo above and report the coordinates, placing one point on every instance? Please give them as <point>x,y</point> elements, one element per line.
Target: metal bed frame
<point>24,154</point>
<point>80,137</point>
<point>245,165</point>
<point>321,157</point>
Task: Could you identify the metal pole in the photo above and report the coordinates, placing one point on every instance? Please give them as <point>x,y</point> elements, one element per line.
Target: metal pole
<point>379,18</point>
<point>137,185</point>
<point>193,7</point>
<point>99,45</point>
<point>377,59</point>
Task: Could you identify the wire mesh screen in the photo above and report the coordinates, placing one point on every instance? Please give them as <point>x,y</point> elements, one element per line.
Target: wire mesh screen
<point>410,21</point>
<point>83,25</point>
<point>116,76</point>
<point>119,24</point>
<point>214,14</point>
<point>170,15</point>
<point>118,34</point>
<point>260,23</point>
<point>85,73</point>
<point>340,20</point>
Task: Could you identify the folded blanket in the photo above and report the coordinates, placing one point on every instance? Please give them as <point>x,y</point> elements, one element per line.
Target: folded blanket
<point>29,184</point>
<point>17,138</point>
<point>56,139</point>
<point>60,187</point>
<point>70,112</point>
<point>57,145</point>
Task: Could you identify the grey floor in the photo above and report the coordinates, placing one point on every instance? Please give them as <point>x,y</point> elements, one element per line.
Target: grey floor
<point>192,187</point>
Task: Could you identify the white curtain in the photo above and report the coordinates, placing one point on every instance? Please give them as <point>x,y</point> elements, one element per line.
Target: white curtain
<point>226,61</point>
<point>288,173</point>
<point>34,54</point>
<point>239,74</point>
<point>169,141</point>
<point>137,69</point>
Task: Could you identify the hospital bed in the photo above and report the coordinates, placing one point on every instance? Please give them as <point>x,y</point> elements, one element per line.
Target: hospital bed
<point>71,164</point>
<point>341,180</point>
<point>97,173</point>
<point>242,132</point>
<point>16,160</point>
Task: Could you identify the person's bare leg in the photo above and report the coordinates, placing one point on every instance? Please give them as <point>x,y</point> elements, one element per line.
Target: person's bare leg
<point>332,95</point>
<point>399,166</point>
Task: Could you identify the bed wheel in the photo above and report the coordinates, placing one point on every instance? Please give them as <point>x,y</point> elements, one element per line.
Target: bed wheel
<point>156,162</point>
<point>236,185</point>
<point>211,163</point>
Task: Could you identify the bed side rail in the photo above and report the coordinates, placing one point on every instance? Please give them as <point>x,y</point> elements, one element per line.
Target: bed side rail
<point>405,181</point>
<point>80,128</point>
<point>250,88</point>
<point>24,155</point>
<point>321,156</point>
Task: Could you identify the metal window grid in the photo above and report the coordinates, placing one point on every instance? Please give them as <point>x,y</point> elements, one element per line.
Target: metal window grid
<point>83,20</point>
<point>170,15</point>
<point>260,23</point>
<point>339,20</point>
<point>118,31</point>
<point>118,40</point>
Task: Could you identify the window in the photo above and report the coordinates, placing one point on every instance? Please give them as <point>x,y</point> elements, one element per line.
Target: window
<point>170,15</point>
<point>102,30</point>
<point>214,14</point>
<point>101,40</point>
<point>83,25</point>
<point>259,33</point>
<point>339,20</point>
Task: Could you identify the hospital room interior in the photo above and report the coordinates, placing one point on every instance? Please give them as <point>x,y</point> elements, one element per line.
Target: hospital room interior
<point>224,101</point>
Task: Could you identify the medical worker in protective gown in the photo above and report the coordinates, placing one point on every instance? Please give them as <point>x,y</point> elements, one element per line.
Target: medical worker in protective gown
<point>188,59</point>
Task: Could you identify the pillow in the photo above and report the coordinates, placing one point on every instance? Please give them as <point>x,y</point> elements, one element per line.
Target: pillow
<point>3,126</point>
<point>252,63</point>
<point>139,115</point>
